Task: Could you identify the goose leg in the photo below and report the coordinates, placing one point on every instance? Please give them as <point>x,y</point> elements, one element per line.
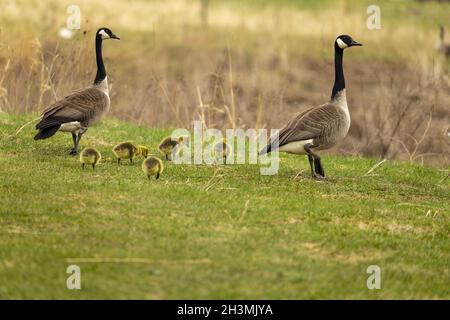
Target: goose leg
<point>74,138</point>
<point>311,164</point>
<point>319,167</point>
<point>74,150</point>
<point>317,171</point>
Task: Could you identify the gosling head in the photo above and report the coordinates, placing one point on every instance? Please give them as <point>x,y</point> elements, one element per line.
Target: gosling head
<point>143,150</point>
<point>105,33</point>
<point>183,140</point>
<point>345,41</point>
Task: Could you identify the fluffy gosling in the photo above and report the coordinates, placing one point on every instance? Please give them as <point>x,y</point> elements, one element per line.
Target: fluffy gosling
<point>128,150</point>
<point>168,144</point>
<point>90,156</point>
<point>152,166</point>
<point>221,151</point>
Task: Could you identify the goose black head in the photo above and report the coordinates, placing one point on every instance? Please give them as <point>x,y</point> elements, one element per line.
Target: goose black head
<point>345,41</point>
<point>105,33</point>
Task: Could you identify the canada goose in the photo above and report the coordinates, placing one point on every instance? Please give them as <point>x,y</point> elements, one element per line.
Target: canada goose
<point>152,166</point>
<point>168,144</point>
<point>128,150</point>
<point>221,151</point>
<point>443,47</point>
<point>78,111</point>
<point>319,127</point>
<point>90,156</point>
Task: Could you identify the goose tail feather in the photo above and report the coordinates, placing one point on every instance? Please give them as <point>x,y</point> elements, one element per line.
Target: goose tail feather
<point>46,132</point>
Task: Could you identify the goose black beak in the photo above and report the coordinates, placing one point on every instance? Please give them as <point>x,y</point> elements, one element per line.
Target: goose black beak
<point>113,36</point>
<point>355,43</point>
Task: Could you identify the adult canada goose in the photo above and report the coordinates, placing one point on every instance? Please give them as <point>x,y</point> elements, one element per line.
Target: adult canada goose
<point>152,166</point>
<point>443,47</point>
<point>319,127</point>
<point>168,144</point>
<point>221,151</point>
<point>128,150</point>
<point>81,109</point>
<point>90,156</point>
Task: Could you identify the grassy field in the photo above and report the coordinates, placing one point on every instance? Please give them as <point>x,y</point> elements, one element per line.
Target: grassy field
<point>214,231</point>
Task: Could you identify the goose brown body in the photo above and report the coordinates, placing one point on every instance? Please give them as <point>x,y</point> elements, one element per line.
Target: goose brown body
<point>323,126</point>
<point>82,108</point>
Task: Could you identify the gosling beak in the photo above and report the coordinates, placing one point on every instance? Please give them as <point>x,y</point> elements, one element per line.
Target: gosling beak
<point>113,36</point>
<point>355,43</point>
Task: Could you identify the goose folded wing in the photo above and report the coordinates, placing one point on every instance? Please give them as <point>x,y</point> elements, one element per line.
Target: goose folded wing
<point>307,125</point>
<point>78,106</point>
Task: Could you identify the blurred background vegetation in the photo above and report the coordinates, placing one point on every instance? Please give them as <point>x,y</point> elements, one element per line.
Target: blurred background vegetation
<point>251,63</point>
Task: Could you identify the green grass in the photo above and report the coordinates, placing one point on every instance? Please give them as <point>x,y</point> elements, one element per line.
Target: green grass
<point>248,236</point>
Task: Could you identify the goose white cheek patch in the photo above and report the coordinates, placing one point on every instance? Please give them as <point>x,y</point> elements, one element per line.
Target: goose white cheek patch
<point>104,34</point>
<point>341,44</point>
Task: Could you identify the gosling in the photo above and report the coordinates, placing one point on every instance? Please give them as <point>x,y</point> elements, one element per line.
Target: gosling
<point>168,144</point>
<point>152,166</point>
<point>221,151</point>
<point>90,156</point>
<point>128,150</point>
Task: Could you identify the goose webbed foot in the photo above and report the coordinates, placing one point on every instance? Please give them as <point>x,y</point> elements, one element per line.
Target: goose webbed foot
<point>73,151</point>
<point>316,176</point>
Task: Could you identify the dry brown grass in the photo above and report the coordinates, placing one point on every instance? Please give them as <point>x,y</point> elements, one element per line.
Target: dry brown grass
<point>249,68</point>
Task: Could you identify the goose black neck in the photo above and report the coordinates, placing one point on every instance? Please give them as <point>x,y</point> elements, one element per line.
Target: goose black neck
<point>101,72</point>
<point>339,81</point>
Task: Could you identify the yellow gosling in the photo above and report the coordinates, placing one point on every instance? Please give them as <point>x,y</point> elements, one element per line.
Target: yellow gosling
<point>90,156</point>
<point>152,166</point>
<point>221,151</point>
<point>168,144</point>
<point>143,151</point>
<point>128,150</point>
